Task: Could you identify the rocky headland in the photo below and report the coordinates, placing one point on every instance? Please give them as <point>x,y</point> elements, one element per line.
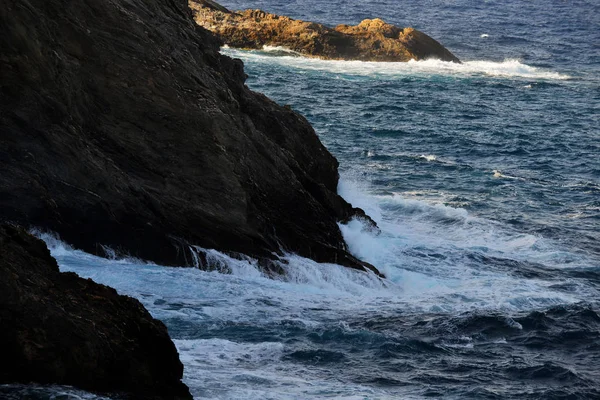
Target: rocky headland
<point>371,40</point>
<point>123,127</point>
<point>125,131</point>
<point>59,328</point>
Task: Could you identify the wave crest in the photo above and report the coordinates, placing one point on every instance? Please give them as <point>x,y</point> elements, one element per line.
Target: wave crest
<point>509,68</point>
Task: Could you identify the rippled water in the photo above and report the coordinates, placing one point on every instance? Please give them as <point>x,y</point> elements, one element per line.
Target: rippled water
<point>506,140</point>
<point>485,180</point>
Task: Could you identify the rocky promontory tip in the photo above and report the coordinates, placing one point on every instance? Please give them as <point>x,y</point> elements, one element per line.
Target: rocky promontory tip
<point>371,40</point>
<point>57,328</point>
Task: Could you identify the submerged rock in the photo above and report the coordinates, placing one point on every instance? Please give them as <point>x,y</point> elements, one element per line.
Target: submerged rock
<point>122,126</point>
<point>57,328</point>
<point>371,40</point>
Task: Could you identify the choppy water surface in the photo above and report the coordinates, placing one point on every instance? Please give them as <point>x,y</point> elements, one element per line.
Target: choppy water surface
<point>485,180</point>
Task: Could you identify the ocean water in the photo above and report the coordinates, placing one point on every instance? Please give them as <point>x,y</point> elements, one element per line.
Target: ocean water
<point>485,180</point>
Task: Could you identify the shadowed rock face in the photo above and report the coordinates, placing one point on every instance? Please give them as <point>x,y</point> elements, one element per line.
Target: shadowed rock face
<point>61,329</point>
<point>122,125</point>
<point>371,40</point>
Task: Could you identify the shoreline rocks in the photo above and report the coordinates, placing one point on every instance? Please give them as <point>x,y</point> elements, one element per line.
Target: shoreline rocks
<point>58,328</point>
<point>371,40</point>
<point>124,130</point>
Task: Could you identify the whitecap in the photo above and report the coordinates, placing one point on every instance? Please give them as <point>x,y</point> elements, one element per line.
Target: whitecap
<point>509,68</point>
<point>280,50</point>
<point>420,250</point>
<point>498,174</point>
<point>428,157</point>
<point>423,248</point>
<point>223,352</point>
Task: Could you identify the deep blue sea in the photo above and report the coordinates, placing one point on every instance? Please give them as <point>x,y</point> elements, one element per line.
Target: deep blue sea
<point>485,180</point>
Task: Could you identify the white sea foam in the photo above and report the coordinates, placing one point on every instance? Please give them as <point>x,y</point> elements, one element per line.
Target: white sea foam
<point>498,174</point>
<point>418,249</point>
<point>428,157</point>
<point>314,297</point>
<point>424,250</point>
<point>510,68</point>
<point>421,253</point>
<point>434,224</point>
<point>228,353</point>
<point>59,248</point>
<point>15,391</point>
<point>279,50</point>
<point>223,263</point>
<point>257,370</point>
<point>56,246</point>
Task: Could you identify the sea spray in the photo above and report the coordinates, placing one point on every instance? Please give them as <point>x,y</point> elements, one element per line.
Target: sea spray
<point>308,334</point>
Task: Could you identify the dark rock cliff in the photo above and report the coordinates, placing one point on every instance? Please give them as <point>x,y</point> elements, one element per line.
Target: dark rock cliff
<point>371,40</point>
<point>59,328</point>
<point>122,125</point>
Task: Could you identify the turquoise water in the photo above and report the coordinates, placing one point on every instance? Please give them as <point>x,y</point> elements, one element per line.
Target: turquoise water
<point>485,180</point>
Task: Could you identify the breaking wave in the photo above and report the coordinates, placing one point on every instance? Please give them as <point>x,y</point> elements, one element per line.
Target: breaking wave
<point>509,68</point>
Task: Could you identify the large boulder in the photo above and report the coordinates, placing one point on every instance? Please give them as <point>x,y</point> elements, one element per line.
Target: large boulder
<point>371,40</point>
<point>57,328</point>
<point>122,126</point>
